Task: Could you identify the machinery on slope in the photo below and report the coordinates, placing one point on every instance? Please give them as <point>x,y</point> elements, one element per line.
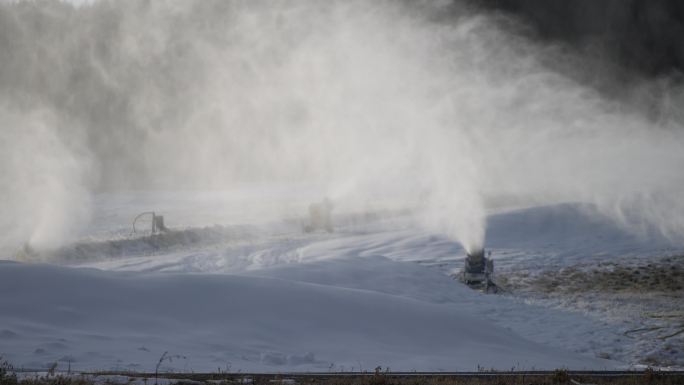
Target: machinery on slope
<point>157,222</point>
<point>320,217</point>
<point>478,271</point>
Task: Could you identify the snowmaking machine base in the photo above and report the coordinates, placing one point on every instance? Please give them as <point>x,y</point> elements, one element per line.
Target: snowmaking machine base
<point>478,272</point>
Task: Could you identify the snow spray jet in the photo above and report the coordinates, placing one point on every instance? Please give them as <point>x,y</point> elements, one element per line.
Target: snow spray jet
<point>433,105</point>
<point>42,194</point>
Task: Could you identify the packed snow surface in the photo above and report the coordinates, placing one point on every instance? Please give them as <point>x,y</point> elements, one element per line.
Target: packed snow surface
<point>242,296</point>
<point>100,319</point>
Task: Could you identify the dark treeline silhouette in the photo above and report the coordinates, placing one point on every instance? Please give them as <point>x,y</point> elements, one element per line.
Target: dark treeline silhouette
<point>646,36</point>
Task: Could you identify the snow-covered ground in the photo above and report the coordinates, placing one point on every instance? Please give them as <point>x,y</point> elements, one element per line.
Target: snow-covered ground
<point>251,295</point>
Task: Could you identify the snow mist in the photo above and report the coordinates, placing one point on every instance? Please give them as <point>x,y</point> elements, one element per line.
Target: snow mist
<point>444,108</point>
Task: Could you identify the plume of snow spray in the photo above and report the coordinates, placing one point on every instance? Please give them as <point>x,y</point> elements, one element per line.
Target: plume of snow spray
<point>431,104</point>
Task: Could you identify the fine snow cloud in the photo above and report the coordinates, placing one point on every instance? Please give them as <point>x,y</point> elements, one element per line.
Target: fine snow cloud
<point>433,104</point>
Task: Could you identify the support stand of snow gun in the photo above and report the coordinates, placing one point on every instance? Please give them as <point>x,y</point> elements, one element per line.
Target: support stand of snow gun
<point>157,222</point>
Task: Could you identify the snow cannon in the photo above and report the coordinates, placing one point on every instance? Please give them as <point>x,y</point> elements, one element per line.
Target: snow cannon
<point>478,270</point>
<point>157,222</point>
<point>320,217</point>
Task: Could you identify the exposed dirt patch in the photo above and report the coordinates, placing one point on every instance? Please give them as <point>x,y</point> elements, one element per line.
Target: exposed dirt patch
<point>665,275</point>
<point>644,299</point>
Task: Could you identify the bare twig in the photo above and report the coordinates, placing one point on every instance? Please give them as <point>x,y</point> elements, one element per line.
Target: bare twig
<point>648,329</point>
<point>678,332</point>
<point>156,369</point>
<point>675,314</point>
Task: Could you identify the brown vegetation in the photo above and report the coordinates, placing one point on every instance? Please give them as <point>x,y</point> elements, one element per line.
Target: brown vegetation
<point>558,377</point>
<point>665,276</point>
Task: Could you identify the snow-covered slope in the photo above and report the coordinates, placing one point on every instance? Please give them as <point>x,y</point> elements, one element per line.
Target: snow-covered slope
<point>565,234</point>
<point>107,320</point>
<point>270,298</point>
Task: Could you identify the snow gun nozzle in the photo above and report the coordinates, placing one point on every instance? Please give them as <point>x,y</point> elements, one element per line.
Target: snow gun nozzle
<point>476,254</point>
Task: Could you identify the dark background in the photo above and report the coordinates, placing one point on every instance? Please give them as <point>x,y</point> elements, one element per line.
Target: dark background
<point>641,36</point>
